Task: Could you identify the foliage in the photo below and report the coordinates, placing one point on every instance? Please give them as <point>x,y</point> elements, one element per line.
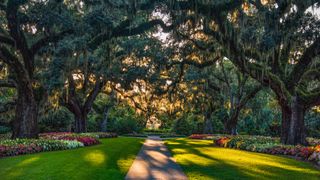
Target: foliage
<point>188,124</point>
<point>123,119</point>
<point>100,135</point>
<point>56,120</point>
<point>312,120</point>
<point>4,129</point>
<point>156,131</point>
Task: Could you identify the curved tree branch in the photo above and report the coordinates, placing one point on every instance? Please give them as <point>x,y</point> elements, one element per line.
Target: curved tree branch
<point>7,83</point>
<point>49,39</point>
<point>6,40</point>
<point>304,62</point>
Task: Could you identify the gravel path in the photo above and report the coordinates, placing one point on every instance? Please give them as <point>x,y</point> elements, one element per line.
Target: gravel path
<point>154,161</point>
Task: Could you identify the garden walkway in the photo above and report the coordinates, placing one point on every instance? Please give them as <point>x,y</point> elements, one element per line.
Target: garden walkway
<point>154,161</point>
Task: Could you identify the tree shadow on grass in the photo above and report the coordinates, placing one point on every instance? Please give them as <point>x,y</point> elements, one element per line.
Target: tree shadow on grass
<point>202,160</point>
<point>109,160</point>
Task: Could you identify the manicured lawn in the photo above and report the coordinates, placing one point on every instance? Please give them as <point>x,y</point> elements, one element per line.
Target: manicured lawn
<point>201,160</point>
<point>109,160</point>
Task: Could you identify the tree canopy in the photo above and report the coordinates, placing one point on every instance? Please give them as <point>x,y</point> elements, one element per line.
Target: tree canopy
<point>169,60</point>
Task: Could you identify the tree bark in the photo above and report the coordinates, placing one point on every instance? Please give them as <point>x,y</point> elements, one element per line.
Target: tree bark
<point>25,124</point>
<point>230,125</point>
<point>208,124</point>
<point>80,110</point>
<point>80,120</point>
<point>104,122</point>
<point>293,128</point>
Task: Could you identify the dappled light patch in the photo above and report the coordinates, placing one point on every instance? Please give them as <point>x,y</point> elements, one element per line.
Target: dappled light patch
<point>95,158</point>
<point>29,161</point>
<point>195,159</point>
<point>180,151</point>
<point>125,163</point>
<point>173,143</point>
<point>96,162</point>
<point>14,173</point>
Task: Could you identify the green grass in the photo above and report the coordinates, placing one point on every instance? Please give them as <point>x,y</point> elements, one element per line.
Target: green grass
<point>201,160</point>
<point>109,160</point>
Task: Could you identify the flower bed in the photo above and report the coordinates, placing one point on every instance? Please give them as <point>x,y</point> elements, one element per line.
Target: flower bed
<point>101,135</point>
<point>86,141</point>
<point>29,146</point>
<point>50,142</point>
<point>201,136</point>
<point>269,145</point>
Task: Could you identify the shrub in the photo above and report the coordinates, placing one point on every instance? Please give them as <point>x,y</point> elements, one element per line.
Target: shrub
<point>4,129</point>
<point>183,126</point>
<point>123,126</point>
<point>58,120</point>
<point>100,135</point>
<point>123,120</point>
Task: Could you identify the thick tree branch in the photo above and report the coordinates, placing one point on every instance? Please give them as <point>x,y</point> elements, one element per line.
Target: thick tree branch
<point>310,53</point>
<point>49,39</point>
<point>7,57</point>
<point>312,99</point>
<point>251,94</point>
<point>7,83</point>
<point>7,106</point>
<point>136,105</point>
<point>17,34</point>
<point>92,95</point>
<point>195,63</point>
<point>6,40</point>
<point>125,30</point>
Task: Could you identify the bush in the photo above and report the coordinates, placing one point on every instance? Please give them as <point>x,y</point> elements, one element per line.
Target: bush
<point>123,126</point>
<point>59,120</point>
<point>157,131</point>
<point>188,124</point>
<point>182,126</point>
<point>124,120</point>
<point>100,135</point>
<point>4,129</point>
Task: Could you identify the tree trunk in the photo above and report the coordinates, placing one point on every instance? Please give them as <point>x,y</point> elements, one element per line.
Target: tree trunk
<point>293,129</point>
<point>80,120</point>
<point>230,125</point>
<point>104,122</point>
<point>208,124</point>
<point>25,124</point>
